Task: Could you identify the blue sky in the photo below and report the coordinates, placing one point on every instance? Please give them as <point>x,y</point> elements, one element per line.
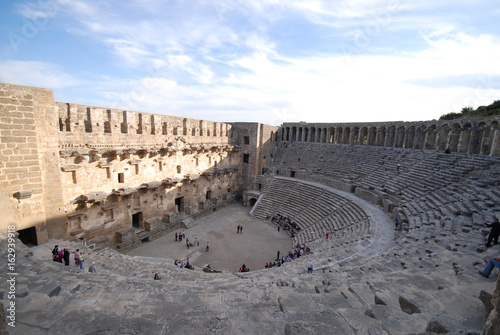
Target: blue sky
<point>266,61</point>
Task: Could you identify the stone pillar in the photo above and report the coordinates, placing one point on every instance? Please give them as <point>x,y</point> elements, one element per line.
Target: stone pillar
<point>495,145</point>
<point>486,139</point>
<point>475,140</point>
<point>372,136</point>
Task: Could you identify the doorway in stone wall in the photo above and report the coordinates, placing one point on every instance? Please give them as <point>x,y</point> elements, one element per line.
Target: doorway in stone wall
<point>179,204</point>
<point>251,202</point>
<point>28,236</point>
<point>137,220</point>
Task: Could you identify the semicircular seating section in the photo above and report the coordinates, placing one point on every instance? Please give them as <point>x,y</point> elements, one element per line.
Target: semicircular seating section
<point>430,192</point>
<point>315,210</point>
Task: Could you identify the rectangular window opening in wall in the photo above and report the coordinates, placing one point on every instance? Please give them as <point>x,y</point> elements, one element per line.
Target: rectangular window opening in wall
<point>121,177</point>
<point>73,176</point>
<point>88,121</point>
<point>160,166</point>
<point>208,195</point>
<point>108,173</point>
<point>179,169</point>
<point>246,158</point>
<point>246,139</point>
<point>124,124</point>
<point>107,123</point>
<point>292,174</point>
<point>164,128</point>
<point>136,168</point>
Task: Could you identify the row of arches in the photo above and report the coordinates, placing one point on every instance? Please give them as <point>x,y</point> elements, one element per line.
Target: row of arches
<point>471,137</point>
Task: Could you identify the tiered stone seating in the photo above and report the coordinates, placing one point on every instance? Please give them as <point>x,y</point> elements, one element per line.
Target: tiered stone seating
<point>366,280</point>
<point>431,189</point>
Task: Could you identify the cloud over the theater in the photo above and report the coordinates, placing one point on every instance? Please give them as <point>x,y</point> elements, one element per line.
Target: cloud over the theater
<point>268,61</point>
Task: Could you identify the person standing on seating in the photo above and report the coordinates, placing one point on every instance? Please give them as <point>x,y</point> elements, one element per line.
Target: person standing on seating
<point>494,233</point>
<point>309,266</point>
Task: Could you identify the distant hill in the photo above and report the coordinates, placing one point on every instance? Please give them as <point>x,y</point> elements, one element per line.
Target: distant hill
<point>467,112</point>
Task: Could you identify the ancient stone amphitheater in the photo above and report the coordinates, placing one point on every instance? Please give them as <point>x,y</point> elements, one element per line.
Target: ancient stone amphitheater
<point>368,278</point>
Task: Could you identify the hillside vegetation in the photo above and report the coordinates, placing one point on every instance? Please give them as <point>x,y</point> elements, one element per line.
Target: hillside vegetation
<point>468,112</point>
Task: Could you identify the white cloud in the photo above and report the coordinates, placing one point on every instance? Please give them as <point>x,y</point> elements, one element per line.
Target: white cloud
<point>34,73</point>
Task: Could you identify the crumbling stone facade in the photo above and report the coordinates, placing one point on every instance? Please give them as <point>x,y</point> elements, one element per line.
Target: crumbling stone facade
<point>114,177</point>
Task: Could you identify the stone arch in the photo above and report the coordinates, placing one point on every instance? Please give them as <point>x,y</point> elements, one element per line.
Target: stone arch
<point>338,138</point>
<point>354,136</point>
<point>312,137</point>
<point>454,137</point>
<point>363,136</point>
<point>430,138</point>
<point>381,133</point>
<point>372,133</point>
<point>465,137</point>
<point>294,133</point>
<point>331,135</point>
<point>476,135</point>
<point>347,135</point>
<point>400,137</point>
<point>409,137</point>
<point>442,137</point>
<point>252,201</point>
<point>486,138</point>
<point>419,137</point>
<point>495,139</point>
<point>324,136</point>
<point>389,136</point>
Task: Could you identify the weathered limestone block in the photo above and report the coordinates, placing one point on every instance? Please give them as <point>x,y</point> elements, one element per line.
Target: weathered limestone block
<point>492,325</point>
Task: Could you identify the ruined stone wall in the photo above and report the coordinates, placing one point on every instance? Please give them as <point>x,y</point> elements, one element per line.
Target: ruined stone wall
<point>105,175</point>
<point>474,136</point>
<point>24,153</point>
<point>257,142</point>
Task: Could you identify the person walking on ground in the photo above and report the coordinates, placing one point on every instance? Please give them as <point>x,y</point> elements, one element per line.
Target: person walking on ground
<point>309,266</point>
<point>67,253</point>
<point>238,229</point>
<point>207,248</point>
<point>490,264</point>
<point>82,259</point>
<point>175,237</point>
<point>77,257</point>
<point>494,233</point>
<point>241,229</point>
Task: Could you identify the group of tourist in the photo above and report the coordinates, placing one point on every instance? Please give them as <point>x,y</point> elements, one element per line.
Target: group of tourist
<point>244,268</point>
<point>58,255</point>
<point>298,251</point>
<point>184,264</point>
<point>196,243</point>
<point>286,223</point>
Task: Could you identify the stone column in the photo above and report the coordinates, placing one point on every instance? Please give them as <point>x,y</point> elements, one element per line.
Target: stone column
<point>495,145</point>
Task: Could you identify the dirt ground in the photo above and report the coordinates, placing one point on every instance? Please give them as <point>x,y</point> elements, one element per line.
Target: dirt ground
<point>258,243</point>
